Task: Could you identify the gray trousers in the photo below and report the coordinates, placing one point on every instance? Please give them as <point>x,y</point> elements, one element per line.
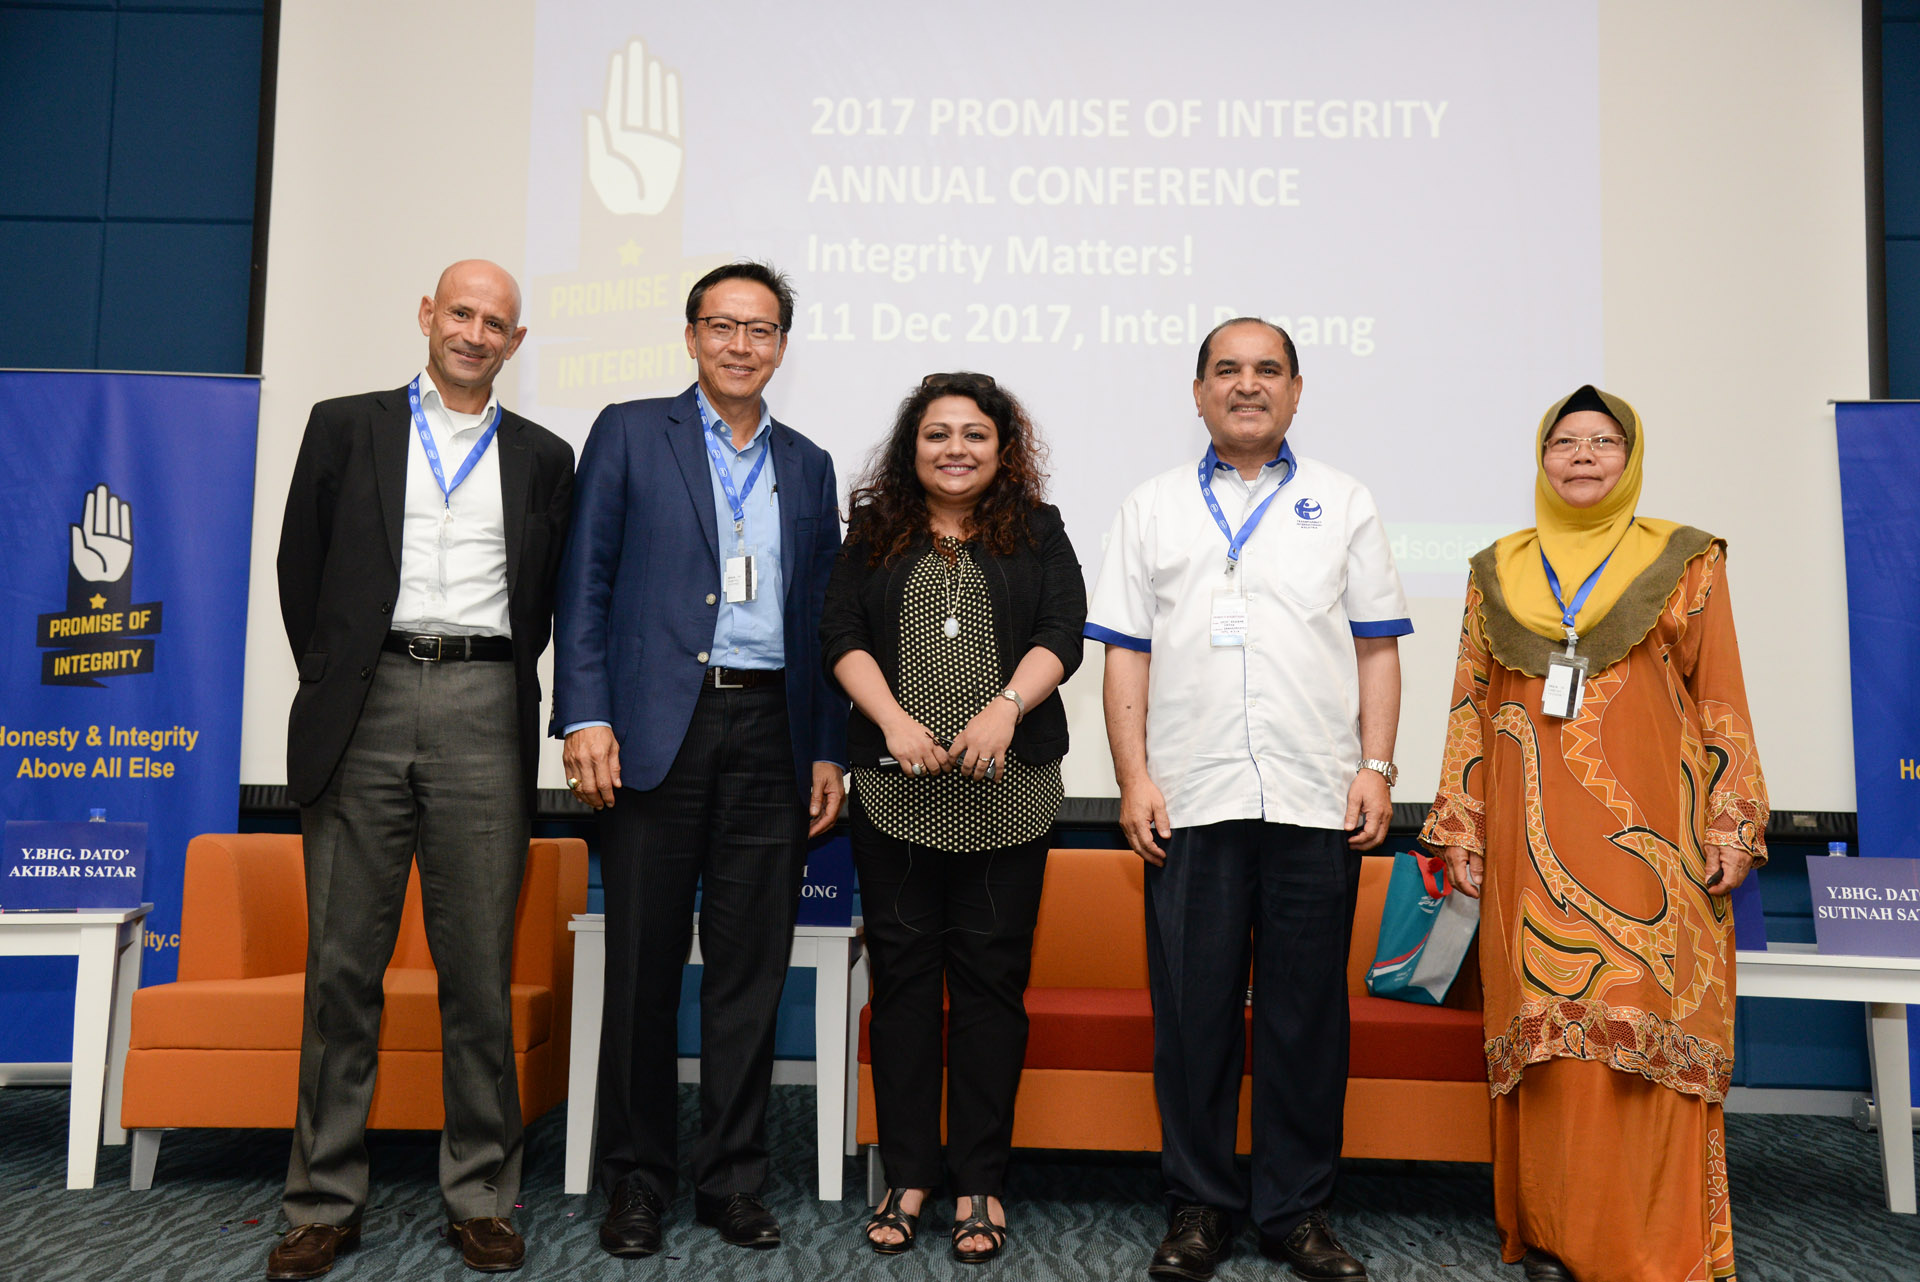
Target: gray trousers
<point>432,771</point>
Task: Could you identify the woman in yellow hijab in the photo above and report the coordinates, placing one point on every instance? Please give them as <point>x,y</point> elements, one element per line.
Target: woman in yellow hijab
<point>1601,795</point>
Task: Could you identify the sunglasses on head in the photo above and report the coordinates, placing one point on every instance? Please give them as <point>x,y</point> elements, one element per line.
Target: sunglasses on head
<point>960,380</point>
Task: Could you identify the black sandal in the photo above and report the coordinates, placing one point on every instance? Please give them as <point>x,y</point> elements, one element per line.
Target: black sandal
<point>978,1225</point>
<point>886,1216</point>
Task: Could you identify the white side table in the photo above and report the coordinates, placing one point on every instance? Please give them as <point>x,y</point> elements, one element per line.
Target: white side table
<point>835,955</point>
<point>107,942</point>
<point>1887,985</point>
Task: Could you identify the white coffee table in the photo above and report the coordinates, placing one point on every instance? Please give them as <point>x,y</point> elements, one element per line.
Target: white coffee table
<point>107,942</point>
<point>834,953</point>
<point>1887,985</point>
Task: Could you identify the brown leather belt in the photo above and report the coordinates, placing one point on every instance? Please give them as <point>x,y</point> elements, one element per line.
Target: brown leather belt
<point>744,678</point>
<point>433,649</point>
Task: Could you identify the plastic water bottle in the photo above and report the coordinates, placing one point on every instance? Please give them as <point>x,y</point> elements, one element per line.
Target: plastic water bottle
<point>1837,848</point>
<point>97,815</point>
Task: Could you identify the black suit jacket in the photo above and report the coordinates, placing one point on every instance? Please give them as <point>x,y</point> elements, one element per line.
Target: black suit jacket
<point>1039,598</point>
<point>340,567</point>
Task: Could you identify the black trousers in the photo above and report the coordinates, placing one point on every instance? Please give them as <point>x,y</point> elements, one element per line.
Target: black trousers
<point>431,776</point>
<point>1281,897</point>
<point>729,818</point>
<point>966,918</point>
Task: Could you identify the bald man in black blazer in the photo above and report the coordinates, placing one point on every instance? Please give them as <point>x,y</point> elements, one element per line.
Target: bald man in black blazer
<point>422,539</point>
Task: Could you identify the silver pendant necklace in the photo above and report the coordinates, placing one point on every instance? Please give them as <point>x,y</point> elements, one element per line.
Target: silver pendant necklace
<point>951,626</point>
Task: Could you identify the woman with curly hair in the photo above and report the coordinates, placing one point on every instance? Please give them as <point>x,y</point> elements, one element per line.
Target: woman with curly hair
<point>951,618</point>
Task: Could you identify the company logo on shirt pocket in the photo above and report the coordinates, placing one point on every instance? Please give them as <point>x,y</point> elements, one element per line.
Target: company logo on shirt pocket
<point>1308,511</point>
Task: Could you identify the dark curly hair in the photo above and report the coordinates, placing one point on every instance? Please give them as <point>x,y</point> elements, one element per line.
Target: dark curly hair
<point>888,504</point>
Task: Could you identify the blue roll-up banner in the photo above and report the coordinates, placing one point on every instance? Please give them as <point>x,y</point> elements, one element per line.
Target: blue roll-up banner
<point>126,519</point>
<point>1880,509</point>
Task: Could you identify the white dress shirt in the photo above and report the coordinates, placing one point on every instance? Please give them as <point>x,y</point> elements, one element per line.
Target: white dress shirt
<point>453,554</point>
<point>1271,729</point>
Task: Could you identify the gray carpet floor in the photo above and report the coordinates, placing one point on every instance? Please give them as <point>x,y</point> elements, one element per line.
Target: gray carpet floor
<point>1807,1208</point>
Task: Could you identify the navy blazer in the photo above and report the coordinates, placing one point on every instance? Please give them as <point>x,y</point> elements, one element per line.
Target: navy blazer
<point>639,585</point>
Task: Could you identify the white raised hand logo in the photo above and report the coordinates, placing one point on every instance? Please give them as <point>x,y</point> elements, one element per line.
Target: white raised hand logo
<point>103,541</point>
<point>634,154</point>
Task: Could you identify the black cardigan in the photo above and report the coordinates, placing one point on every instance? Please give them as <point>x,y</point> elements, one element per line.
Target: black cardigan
<point>1039,598</point>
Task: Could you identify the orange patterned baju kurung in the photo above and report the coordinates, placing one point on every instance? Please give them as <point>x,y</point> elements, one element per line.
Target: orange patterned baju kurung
<point>1608,967</point>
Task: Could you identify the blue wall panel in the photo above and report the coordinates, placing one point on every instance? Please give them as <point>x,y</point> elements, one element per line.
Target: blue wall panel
<point>175,297</point>
<point>50,289</point>
<point>185,117</point>
<point>56,94</point>
<point>1903,319</point>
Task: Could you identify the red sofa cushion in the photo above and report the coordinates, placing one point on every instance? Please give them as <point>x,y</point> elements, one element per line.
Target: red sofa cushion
<point>1405,1042</point>
<point>1111,1029</point>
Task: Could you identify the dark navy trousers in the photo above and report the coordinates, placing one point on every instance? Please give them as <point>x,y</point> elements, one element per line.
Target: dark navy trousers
<point>1280,899</point>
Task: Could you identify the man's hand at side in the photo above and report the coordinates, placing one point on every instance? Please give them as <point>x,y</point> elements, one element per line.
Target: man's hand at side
<point>1369,806</point>
<point>1143,816</point>
<point>592,755</point>
<point>829,791</point>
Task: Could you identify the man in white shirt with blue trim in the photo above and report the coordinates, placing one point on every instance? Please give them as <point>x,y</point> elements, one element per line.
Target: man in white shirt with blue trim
<point>1251,615</point>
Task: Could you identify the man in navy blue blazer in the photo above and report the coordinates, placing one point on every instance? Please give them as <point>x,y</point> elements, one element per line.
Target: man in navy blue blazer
<point>699,723</point>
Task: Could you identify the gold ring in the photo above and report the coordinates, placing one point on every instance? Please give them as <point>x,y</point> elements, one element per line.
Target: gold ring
<point>573,783</point>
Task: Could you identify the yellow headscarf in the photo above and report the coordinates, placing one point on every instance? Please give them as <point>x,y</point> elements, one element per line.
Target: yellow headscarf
<point>1578,539</point>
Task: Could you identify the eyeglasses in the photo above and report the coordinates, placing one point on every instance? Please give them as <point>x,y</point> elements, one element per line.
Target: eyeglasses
<point>1566,445</point>
<point>963,380</point>
<point>722,329</point>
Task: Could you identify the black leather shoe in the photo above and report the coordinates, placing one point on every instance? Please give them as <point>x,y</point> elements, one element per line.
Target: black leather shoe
<point>632,1226</point>
<point>740,1217</point>
<point>1198,1238</point>
<point>1315,1253</point>
<point>1541,1267</point>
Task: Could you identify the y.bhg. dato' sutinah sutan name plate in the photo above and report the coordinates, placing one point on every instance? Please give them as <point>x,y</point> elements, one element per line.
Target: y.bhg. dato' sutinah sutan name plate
<point>1866,907</point>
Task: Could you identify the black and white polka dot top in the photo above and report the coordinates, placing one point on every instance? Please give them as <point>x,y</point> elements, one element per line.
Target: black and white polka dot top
<point>949,671</point>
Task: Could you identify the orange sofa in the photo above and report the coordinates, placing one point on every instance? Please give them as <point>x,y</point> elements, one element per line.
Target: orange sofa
<point>1417,1083</point>
<point>221,1045</point>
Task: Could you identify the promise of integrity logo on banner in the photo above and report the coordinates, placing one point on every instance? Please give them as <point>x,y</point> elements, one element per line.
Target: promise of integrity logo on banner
<point>101,632</point>
<point>126,512</point>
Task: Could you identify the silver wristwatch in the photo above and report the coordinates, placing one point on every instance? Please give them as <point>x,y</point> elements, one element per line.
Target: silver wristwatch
<point>1018,702</point>
<point>1387,768</point>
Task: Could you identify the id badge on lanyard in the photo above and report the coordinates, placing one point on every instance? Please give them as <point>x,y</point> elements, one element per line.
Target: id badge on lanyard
<point>1566,687</point>
<point>739,578</point>
<point>1227,620</point>
<point>1228,624</point>
<point>740,581</point>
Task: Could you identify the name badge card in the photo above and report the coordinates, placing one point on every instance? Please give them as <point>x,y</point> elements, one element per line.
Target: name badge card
<point>1566,687</point>
<point>1866,907</point>
<point>1228,626</point>
<point>740,579</point>
<point>61,867</point>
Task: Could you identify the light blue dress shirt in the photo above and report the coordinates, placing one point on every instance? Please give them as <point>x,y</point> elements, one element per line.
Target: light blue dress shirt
<point>748,634</point>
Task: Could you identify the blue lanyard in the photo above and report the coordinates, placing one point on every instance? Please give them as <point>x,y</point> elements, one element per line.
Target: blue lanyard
<point>433,451</point>
<point>1234,541</point>
<point>736,497</point>
<point>1568,613</point>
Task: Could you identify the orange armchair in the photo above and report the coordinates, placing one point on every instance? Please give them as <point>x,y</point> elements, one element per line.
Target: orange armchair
<point>1416,1086</point>
<point>221,1045</point>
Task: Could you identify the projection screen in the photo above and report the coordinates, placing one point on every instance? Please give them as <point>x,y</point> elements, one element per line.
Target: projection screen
<point>1459,211</point>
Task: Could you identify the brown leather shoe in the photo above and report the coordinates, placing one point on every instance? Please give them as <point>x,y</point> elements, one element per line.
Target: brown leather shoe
<point>307,1250</point>
<point>488,1244</point>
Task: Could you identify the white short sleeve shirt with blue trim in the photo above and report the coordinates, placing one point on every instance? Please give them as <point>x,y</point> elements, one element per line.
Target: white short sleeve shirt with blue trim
<point>1269,730</point>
